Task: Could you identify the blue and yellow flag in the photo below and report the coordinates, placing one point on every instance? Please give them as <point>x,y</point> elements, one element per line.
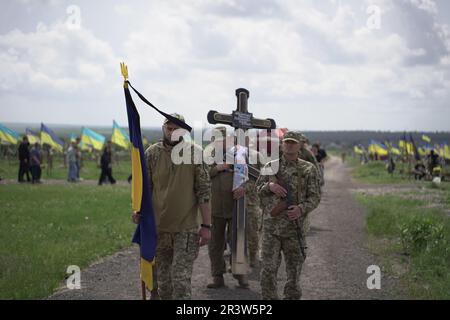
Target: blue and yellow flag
<point>446,152</point>
<point>406,147</point>
<point>73,137</point>
<point>8,136</point>
<point>358,150</point>
<point>392,150</point>
<point>378,148</point>
<point>33,137</point>
<point>422,151</point>
<point>119,137</point>
<point>395,151</point>
<point>426,138</point>
<point>50,138</point>
<point>141,194</point>
<point>91,139</point>
<point>414,147</point>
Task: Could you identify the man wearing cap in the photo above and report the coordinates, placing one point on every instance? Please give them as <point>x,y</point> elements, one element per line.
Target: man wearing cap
<point>179,192</point>
<point>222,204</point>
<point>280,231</point>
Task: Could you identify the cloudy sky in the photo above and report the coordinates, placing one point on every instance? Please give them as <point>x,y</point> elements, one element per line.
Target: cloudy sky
<point>311,65</point>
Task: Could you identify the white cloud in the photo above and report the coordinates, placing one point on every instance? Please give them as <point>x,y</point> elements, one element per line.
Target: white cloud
<point>53,58</point>
<point>191,56</point>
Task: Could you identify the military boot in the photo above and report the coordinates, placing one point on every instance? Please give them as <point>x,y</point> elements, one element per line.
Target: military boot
<point>242,280</point>
<point>254,261</point>
<point>217,282</point>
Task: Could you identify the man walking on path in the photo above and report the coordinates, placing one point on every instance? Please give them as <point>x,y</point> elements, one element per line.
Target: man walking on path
<point>297,185</point>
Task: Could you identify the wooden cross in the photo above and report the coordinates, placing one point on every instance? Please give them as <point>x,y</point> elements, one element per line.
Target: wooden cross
<point>240,119</point>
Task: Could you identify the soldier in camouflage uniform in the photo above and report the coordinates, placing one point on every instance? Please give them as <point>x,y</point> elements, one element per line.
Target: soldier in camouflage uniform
<point>280,232</point>
<point>179,191</point>
<point>222,204</point>
<point>307,155</point>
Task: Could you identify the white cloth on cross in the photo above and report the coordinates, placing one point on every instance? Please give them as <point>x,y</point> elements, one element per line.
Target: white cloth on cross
<point>240,166</point>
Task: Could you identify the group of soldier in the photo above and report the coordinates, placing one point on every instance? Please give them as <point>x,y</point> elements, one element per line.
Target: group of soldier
<point>277,204</point>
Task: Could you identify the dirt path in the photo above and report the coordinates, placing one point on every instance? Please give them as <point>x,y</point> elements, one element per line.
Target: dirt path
<point>335,268</point>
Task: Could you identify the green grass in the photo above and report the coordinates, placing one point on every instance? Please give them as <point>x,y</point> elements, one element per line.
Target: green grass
<point>426,258</point>
<point>375,172</point>
<point>46,228</point>
<point>89,171</point>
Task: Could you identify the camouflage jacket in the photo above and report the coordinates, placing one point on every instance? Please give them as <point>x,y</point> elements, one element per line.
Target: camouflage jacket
<point>307,155</point>
<point>251,191</point>
<point>303,181</point>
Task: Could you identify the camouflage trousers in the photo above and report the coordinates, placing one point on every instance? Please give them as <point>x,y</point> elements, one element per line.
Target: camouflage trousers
<point>253,234</point>
<point>272,247</point>
<point>220,233</point>
<point>307,224</point>
<point>175,256</point>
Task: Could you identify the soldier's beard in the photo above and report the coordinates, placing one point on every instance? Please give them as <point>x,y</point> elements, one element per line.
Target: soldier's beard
<point>170,142</point>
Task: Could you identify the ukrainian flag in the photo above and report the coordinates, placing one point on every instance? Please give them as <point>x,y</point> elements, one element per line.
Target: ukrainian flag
<point>446,152</point>
<point>358,150</point>
<point>406,147</point>
<point>426,138</point>
<point>92,139</point>
<point>422,152</point>
<point>395,151</point>
<point>119,137</point>
<point>73,137</point>
<point>8,136</point>
<point>378,148</point>
<point>33,137</point>
<point>50,138</point>
<point>392,149</point>
<point>414,146</point>
<point>141,195</point>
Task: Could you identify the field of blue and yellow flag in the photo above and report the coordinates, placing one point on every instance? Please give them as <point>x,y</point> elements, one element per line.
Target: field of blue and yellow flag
<point>119,137</point>
<point>50,138</point>
<point>141,195</point>
<point>91,139</point>
<point>8,136</point>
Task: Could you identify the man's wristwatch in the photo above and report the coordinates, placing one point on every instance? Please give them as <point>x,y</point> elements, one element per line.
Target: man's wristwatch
<point>207,226</point>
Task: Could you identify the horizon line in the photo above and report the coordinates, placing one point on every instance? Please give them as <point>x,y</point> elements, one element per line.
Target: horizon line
<point>305,130</point>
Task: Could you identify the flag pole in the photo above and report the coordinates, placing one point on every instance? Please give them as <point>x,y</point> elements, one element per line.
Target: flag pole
<point>144,295</point>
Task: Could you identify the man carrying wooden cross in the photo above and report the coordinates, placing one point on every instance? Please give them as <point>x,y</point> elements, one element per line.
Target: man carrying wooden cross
<point>241,120</point>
